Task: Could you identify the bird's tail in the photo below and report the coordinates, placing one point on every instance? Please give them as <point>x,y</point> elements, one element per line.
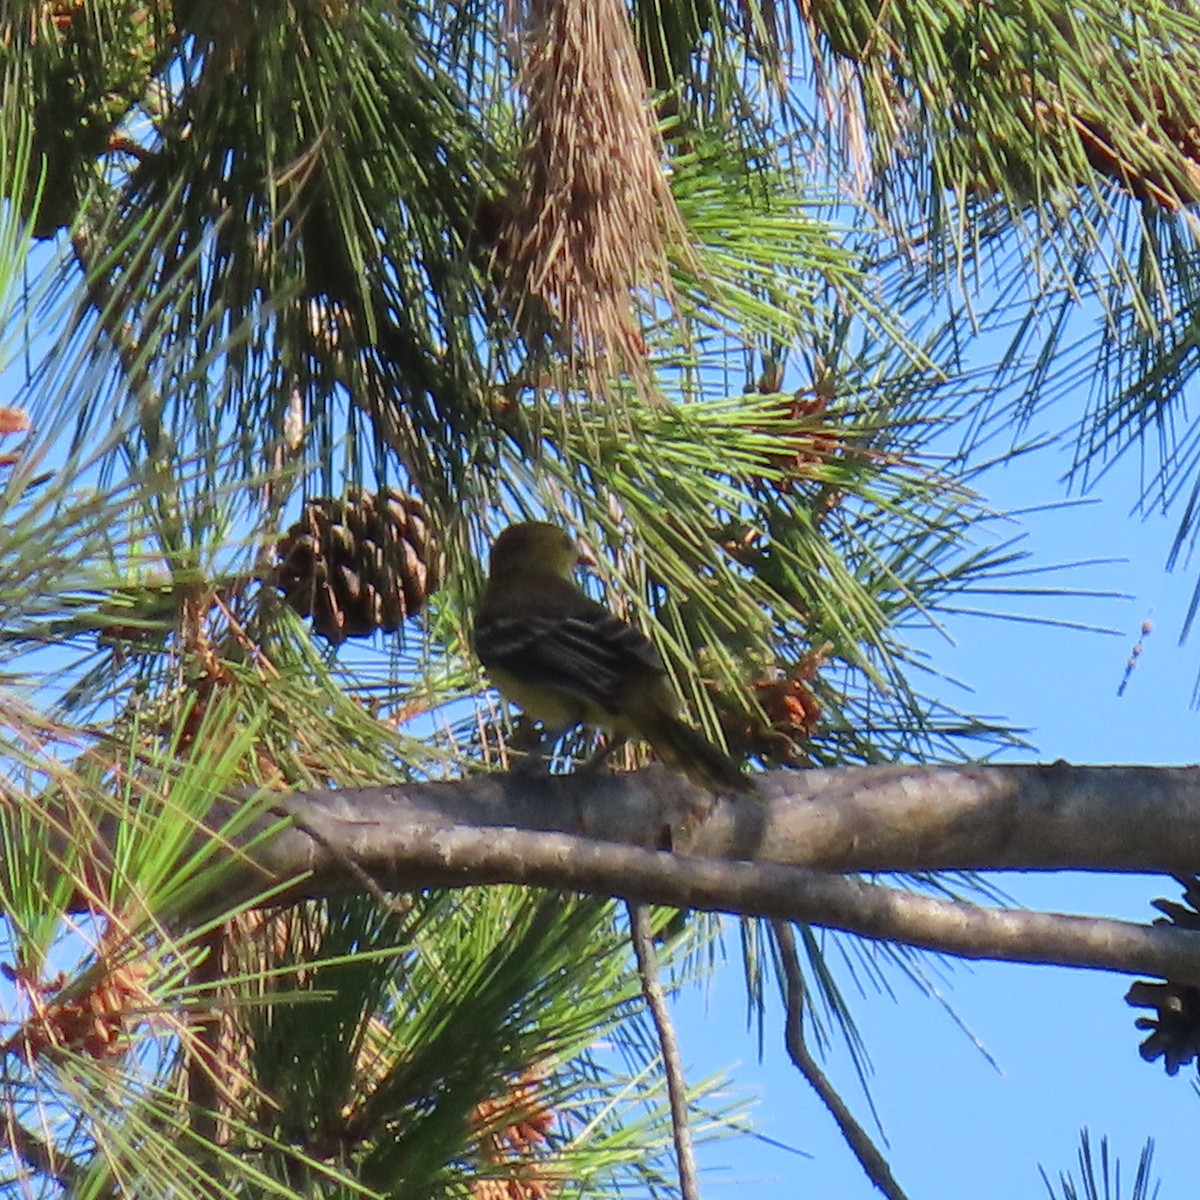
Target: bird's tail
<point>689,751</point>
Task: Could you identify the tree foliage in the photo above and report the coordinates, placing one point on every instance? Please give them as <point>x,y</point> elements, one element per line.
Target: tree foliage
<point>300,302</point>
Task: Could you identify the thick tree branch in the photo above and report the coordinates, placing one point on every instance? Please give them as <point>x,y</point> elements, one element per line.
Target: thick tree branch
<point>467,856</point>
<point>1020,817</point>
<point>607,833</point>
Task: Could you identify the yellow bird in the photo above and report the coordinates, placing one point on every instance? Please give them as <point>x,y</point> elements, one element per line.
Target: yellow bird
<point>566,660</point>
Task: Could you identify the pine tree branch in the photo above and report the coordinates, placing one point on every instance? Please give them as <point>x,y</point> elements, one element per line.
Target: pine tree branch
<point>754,855</point>
<point>1017,817</point>
<point>470,856</point>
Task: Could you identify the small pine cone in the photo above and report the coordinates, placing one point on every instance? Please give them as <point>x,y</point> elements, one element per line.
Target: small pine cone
<point>790,705</point>
<point>359,564</point>
<point>1174,1030</point>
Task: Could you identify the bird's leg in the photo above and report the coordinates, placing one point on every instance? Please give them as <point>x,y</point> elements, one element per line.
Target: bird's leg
<point>604,753</point>
<point>536,759</point>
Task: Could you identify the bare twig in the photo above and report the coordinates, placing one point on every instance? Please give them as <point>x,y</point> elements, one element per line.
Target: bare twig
<point>647,961</point>
<point>857,1138</point>
<point>349,861</point>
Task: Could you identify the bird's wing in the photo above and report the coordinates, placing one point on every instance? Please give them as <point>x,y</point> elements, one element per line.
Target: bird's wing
<point>586,652</point>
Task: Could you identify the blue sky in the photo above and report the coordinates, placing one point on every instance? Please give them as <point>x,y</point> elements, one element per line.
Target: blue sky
<point>1063,1041</point>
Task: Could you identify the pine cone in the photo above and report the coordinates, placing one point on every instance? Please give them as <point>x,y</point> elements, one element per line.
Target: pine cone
<point>1174,1032</point>
<point>359,564</point>
<point>790,705</point>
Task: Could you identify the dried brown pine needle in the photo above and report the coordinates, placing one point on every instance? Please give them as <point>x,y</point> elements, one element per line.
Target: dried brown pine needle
<point>594,213</point>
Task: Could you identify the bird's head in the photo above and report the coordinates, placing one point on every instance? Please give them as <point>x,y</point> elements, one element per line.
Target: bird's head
<point>535,546</point>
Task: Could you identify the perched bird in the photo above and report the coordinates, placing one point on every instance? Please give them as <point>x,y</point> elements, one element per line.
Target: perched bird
<point>566,660</point>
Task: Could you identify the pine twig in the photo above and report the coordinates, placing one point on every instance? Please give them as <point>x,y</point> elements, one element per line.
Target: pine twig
<point>205,1057</point>
<point>400,907</point>
<point>857,1138</point>
<point>38,1155</point>
<point>647,961</point>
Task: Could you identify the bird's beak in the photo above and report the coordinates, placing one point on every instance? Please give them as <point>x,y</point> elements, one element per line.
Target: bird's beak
<point>585,557</point>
